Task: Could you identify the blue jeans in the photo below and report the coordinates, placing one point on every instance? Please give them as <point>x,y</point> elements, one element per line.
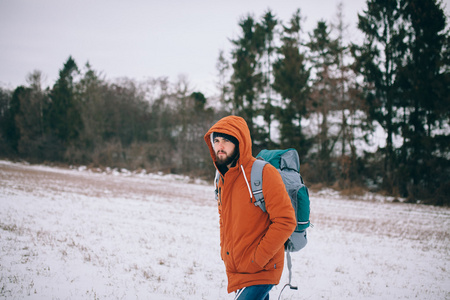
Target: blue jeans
<point>254,292</point>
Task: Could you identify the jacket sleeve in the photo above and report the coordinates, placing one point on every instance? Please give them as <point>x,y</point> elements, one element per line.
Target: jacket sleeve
<point>281,214</point>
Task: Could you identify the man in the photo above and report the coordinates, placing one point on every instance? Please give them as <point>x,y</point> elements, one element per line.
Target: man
<point>251,241</point>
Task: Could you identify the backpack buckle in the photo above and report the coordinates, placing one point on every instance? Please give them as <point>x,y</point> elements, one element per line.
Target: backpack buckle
<point>261,204</point>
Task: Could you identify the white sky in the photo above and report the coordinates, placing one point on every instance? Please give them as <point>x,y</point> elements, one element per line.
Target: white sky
<point>138,39</point>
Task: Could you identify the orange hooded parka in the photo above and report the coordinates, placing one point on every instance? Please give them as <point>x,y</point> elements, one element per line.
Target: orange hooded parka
<point>252,241</point>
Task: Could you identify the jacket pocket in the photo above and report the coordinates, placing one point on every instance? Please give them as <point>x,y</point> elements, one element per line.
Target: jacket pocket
<point>275,262</point>
<point>249,266</point>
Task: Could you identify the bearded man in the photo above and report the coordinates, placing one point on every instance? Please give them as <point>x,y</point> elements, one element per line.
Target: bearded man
<point>251,241</point>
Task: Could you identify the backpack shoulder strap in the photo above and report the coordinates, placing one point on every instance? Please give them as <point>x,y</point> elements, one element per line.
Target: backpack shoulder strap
<point>256,182</point>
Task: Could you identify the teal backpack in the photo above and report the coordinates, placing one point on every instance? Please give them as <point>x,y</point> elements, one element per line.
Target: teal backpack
<point>287,162</point>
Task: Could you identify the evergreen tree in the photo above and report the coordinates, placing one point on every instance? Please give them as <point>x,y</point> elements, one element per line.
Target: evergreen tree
<point>268,26</point>
<point>323,52</point>
<point>94,112</point>
<point>64,115</point>
<point>247,79</point>
<point>378,60</point>
<point>290,81</point>
<point>5,122</point>
<point>425,100</point>
<point>10,129</point>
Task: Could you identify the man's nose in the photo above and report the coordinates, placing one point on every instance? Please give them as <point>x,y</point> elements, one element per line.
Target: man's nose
<point>220,145</point>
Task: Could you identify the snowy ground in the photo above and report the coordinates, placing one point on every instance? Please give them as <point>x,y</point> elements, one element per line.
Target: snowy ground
<point>77,234</point>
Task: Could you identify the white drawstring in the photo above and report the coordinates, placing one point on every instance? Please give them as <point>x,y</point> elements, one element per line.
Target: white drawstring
<point>238,293</point>
<point>248,185</point>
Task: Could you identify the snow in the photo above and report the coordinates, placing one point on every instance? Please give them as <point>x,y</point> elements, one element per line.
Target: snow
<point>85,234</point>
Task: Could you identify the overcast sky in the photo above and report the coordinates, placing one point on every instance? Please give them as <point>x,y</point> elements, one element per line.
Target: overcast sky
<point>138,39</point>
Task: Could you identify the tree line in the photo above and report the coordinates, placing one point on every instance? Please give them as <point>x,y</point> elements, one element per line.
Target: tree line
<point>310,91</point>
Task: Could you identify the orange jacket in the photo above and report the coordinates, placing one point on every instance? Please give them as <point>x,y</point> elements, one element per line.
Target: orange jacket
<point>252,242</point>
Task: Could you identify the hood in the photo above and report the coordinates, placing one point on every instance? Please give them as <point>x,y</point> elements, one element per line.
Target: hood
<point>237,127</point>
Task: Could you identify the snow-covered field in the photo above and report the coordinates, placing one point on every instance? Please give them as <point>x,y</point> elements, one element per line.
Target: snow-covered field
<point>78,234</point>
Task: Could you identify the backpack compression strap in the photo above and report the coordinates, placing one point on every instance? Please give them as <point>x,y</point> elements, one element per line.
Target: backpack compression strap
<point>256,180</point>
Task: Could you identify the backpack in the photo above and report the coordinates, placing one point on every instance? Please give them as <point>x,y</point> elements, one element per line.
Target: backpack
<point>287,162</point>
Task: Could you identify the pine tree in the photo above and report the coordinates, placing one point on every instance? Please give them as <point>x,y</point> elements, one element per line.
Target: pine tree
<point>64,115</point>
<point>323,51</point>
<point>6,122</point>
<point>425,100</point>
<point>290,81</point>
<point>10,129</point>
<point>247,79</point>
<point>94,109</point>
<point>268,25</point>
<point>378,60</point>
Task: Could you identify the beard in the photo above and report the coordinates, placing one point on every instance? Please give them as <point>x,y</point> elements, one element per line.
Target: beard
<point>225,160</point>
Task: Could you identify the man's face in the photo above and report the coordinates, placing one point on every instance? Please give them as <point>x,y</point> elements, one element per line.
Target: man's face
<point>225,151</point>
